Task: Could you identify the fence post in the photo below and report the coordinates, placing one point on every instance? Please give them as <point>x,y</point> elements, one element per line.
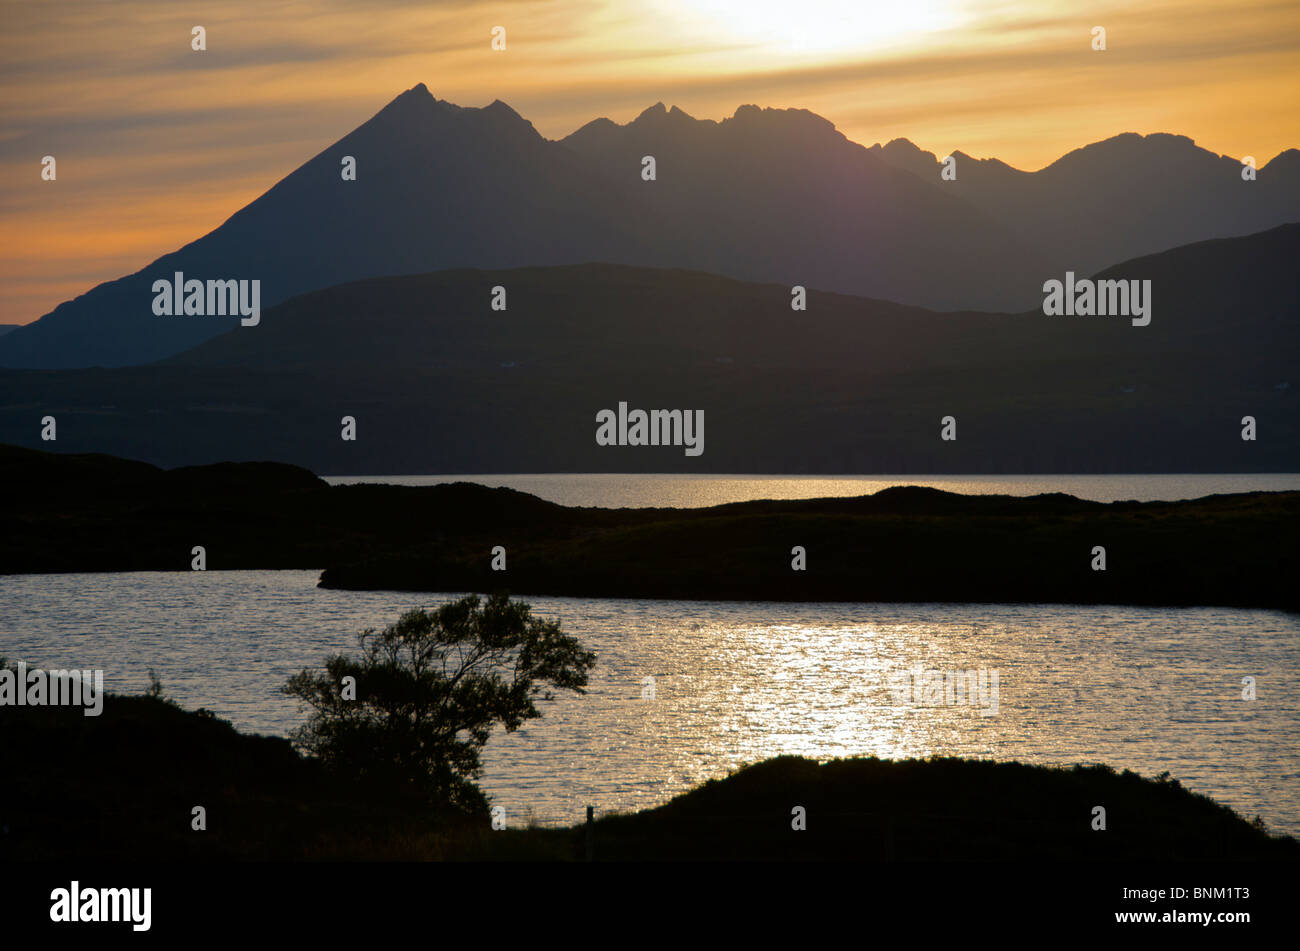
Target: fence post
<point>590,833</point>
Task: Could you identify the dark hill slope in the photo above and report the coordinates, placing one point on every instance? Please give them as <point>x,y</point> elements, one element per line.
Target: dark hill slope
<point>439,382</point>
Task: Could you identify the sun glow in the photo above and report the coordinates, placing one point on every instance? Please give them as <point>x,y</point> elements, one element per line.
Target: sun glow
<point>811,27</point>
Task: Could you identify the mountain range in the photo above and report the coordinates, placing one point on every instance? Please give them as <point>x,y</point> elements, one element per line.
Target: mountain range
<point>773,196</point>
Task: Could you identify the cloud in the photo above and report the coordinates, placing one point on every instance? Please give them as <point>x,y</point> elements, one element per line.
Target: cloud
<point>157,143</point>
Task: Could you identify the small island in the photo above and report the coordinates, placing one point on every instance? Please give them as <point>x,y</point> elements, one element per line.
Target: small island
<point>70,513</point>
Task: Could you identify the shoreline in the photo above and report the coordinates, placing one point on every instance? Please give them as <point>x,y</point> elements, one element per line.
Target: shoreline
<point>77,513</point>
<point>266,802</point>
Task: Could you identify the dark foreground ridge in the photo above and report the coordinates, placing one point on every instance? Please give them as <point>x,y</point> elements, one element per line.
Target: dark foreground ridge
<point>123,786</point>
<point>98,513</point>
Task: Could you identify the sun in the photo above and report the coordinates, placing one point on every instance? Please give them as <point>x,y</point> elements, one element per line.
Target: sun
<point>830,29</point>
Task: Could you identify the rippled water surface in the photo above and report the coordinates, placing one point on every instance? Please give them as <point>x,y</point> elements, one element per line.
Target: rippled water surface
<point>734,682</point>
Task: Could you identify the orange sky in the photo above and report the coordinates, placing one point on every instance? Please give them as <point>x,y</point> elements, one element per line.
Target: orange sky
<point>157,144</point>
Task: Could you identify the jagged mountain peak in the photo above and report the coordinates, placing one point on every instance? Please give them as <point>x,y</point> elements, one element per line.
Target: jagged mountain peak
<point>1129,147</point>
<point>499,108</point>
<point>417,105</point>
<point>657,111</point>
<point>767,194</point>
<point>805,120</point>
<point>505,119</point>
<point>905,145</point>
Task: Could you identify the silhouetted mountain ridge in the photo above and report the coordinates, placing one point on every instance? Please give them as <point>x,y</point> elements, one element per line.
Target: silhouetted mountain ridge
<point>1120,198</point>
<point>768,195</point>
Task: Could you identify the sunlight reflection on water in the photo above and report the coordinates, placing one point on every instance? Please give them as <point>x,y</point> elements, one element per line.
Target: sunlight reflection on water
<point>1148,689</point>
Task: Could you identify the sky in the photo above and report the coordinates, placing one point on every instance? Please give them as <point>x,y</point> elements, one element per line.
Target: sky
<point>156,144</point>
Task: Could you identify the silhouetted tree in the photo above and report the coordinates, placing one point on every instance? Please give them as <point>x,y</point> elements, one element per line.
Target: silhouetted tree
<point>428,691</point>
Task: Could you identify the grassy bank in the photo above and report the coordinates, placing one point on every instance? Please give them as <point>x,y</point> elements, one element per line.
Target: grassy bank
<point>123,786</point>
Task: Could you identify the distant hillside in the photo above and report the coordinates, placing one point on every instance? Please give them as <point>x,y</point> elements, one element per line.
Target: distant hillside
<point>7,328</point>
<point>767,195</point>
<point>439,382</point>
